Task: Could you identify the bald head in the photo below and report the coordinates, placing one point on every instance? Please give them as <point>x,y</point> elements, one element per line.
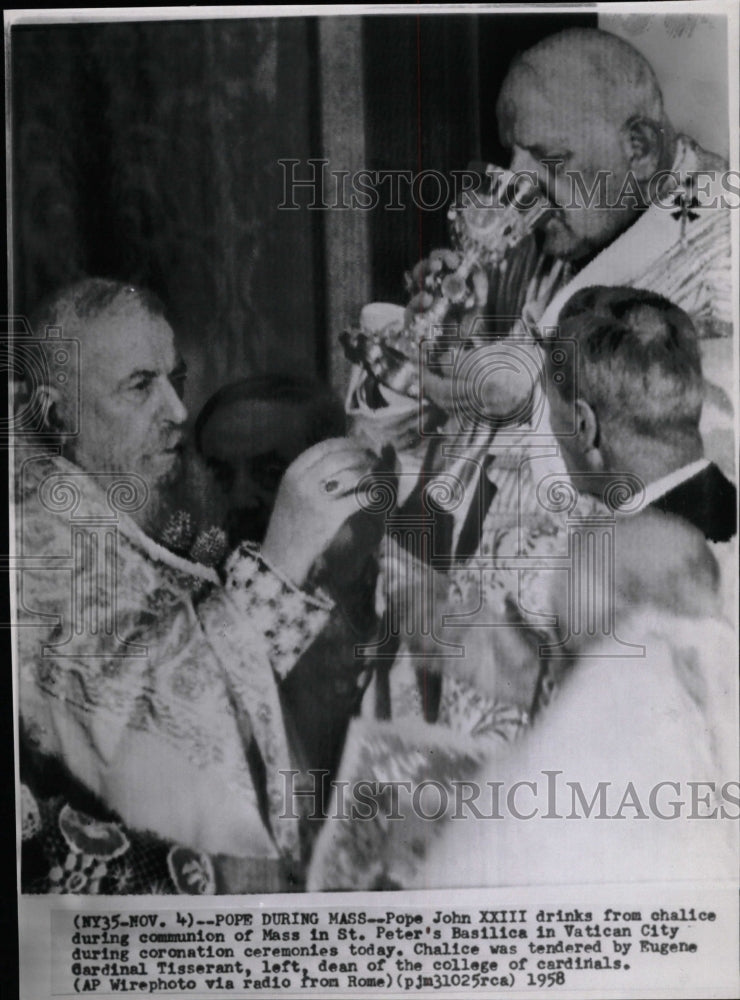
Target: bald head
<point>582,111</point>
<point>603,74</point>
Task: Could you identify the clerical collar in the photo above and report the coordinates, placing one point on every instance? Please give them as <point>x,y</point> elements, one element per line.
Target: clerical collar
<point>659,487</point>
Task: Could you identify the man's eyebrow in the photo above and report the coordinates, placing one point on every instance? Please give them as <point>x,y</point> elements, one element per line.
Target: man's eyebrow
<point>140,373</point>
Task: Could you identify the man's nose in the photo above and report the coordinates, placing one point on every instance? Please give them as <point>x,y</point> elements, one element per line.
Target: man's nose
<point>522,160</point>
<point>173,406</point>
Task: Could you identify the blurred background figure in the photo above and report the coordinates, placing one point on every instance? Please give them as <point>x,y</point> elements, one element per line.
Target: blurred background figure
<point>244,439</point>
<point>248,433</point>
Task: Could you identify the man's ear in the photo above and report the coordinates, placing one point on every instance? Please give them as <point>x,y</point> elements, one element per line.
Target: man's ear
<point>587,433</point>
<point>643,142</point>
<point>46,400</point>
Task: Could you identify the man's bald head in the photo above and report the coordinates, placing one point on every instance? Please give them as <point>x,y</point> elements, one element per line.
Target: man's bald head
<point>583,114</point>
<point>603,74</point>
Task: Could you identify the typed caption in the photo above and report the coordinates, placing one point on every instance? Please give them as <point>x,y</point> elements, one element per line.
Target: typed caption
<point>475,943</point>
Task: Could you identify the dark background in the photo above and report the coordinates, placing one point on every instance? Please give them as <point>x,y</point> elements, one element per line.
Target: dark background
<point>148,152</point>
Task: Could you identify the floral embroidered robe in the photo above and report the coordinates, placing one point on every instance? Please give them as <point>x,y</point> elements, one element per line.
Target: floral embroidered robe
<point>154,690</point>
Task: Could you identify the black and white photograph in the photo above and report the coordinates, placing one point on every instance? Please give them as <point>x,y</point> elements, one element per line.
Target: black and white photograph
<point>373,401</point>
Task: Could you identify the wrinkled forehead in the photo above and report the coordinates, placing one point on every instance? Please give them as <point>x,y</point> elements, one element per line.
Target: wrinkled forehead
<point>122,341</point>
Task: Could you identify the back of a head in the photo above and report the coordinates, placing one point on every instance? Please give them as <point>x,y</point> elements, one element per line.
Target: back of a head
<point>636,363</point>
<point>600,71</point>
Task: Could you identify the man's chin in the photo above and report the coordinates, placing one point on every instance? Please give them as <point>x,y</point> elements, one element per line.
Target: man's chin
<point>164,481</point>
<point>164,469</point>
<point>562,239</point>
<point>562,242</point>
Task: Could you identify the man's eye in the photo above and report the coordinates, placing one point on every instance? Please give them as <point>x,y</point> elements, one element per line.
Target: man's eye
<point>141,385</point>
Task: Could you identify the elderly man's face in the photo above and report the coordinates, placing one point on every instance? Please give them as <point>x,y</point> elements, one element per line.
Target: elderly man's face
<point>559,125</point>
<point>131,383</point>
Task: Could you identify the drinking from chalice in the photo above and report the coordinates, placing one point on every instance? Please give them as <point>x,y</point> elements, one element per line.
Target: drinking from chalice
<point>448,286</point>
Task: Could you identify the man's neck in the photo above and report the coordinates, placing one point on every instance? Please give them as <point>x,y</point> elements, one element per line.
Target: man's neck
<point>652,464</point>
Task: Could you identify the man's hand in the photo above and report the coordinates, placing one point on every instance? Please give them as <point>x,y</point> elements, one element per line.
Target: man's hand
<point>412,595</point>
<point>317,495</point>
